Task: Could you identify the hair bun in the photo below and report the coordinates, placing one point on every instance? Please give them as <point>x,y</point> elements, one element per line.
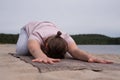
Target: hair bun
<point>58,34</point>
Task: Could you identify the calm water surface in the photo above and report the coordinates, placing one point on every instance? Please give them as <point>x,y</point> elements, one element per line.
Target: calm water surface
<point>111,49</point>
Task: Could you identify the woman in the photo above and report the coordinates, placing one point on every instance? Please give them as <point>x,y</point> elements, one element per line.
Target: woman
<point>48,44</point>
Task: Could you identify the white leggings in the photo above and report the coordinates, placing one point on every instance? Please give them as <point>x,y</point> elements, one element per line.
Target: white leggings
<point>21,47</point>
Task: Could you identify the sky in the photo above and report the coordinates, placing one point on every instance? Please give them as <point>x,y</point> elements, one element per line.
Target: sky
<point>71,16</point>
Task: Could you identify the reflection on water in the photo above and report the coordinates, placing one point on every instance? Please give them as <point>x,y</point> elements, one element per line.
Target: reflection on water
<point>101,48</point>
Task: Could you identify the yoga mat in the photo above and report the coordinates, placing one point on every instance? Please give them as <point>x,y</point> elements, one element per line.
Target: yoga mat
<point>67,64</point>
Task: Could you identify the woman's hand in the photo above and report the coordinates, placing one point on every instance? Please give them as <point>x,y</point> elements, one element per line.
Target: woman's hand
<point>46,60</point>
<point>98,60</point>
<point>35,49</point>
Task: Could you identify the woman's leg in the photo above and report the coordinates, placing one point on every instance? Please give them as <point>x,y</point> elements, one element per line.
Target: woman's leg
<point>21,47</point>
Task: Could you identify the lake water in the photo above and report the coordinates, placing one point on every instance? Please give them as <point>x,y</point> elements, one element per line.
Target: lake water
<point>111,49</point>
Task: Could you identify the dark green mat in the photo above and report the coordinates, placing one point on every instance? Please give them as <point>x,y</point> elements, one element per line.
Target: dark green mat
<point>68,64</point>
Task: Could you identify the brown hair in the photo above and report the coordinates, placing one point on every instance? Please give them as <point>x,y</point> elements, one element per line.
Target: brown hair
<point>56,46</point>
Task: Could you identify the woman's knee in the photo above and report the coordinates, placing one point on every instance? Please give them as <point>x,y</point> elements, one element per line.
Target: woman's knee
<point>21,51</point>
<point>21,47</point>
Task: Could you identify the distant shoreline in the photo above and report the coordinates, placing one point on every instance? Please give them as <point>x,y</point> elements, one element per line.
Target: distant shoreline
<point>82,39</point>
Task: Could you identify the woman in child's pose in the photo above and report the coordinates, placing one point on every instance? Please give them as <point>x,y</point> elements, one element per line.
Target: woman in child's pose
<point>48,44</point>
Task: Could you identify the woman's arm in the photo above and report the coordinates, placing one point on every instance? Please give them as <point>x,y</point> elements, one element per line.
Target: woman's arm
<point>77,53</point>
<point>35,49</point>
<point>82,55</point>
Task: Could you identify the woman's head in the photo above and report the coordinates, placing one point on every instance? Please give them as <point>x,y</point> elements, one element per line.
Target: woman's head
<point>56,46</point>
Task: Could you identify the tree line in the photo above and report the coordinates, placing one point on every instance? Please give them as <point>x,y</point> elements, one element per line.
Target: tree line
<point>79,39</point>
<point>8,38</point>
<point>95,39</point>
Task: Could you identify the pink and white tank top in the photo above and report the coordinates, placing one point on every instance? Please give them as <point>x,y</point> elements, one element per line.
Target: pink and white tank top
<point>36,30</point>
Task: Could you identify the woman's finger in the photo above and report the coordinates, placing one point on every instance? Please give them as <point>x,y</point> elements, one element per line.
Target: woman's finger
<point>96,60</point>
<point>37,60</point>
<point>99,61</point>
<point>108,61</point>
<point>91,60</point>
<point>55,60</point>
<point>103,61</point>
<point>45,61</point>
<point>50,62</point>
